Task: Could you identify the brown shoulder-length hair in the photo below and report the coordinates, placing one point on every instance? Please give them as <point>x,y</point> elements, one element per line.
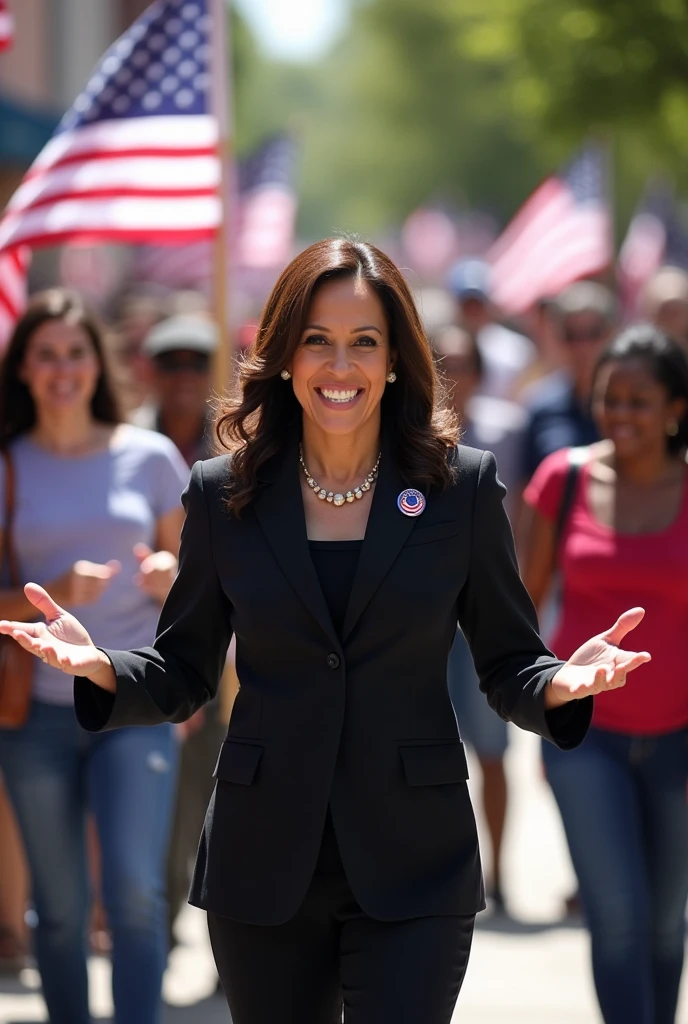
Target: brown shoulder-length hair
<point>256,425</point>
<point>17,409</point>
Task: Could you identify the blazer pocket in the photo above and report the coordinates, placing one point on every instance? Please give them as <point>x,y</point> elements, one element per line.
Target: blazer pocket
<point>238,762</point>
<point>434,764</point>
<point>426,534</point>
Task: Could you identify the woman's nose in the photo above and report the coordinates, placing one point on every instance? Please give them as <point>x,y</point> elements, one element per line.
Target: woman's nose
<point>341,362</point>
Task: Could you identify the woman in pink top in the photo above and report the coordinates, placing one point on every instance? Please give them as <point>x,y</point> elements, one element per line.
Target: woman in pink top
<point>622,793</point>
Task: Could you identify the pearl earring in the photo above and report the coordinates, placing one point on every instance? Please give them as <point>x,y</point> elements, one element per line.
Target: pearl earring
<point>672,428</point>
<point>391,377</point>
<point>285,375</point>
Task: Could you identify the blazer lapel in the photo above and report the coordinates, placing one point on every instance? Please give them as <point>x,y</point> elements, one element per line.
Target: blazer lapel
<point>279,510</point>
<point>386,532</point>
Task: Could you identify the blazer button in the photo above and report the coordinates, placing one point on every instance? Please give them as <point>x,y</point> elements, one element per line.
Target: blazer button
<point>333,661</point>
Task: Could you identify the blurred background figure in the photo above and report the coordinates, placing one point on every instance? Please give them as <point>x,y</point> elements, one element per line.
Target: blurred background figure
<point>505,353</point>
<point>495,424</point>
<point>558,406</point>
<point>103,497</point>
<point>622,793</point>
<point>180,350</point>
<point>543,325</point>
<point>665,303</point>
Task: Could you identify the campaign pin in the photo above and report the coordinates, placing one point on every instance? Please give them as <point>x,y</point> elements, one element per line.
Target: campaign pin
<point>411,502</point>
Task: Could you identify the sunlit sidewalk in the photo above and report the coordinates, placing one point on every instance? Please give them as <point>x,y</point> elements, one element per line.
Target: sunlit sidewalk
<point>529,968</point>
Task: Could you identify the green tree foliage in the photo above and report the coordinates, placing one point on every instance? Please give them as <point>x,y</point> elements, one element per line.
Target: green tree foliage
<point>575,66</point>
<point>472,102</point>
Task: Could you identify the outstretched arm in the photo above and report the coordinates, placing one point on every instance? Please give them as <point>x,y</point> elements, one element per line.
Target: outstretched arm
<point>523,682</point>
<point>166,682</point>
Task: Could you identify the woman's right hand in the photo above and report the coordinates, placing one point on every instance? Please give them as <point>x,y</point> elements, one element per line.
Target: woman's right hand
<point>84,582</point>
<point>61,641</point>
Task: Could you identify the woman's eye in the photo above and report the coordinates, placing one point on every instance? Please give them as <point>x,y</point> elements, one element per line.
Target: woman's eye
<point>367,341</point>
<point>315,339</point>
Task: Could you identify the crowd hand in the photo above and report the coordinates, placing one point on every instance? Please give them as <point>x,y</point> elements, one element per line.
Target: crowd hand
<point>598,665</point>
<point>157,570</point>
<point>192,725</point>
<point>61,641</point>
<point>84,583</point>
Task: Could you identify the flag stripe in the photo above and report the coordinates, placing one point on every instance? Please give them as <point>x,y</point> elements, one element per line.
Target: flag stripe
<point>6,27</point>
<point>149,136</point>
<point>13,289</point>
<point>131,218</point>
<point>152,153</point>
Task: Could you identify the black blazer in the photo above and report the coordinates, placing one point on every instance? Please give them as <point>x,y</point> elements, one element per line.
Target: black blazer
<point>363,722</point>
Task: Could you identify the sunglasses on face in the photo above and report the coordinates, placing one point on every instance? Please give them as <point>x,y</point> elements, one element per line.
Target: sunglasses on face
<point>187,362</point>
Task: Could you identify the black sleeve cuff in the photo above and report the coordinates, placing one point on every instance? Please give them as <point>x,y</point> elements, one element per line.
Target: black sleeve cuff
<point>569,724</point>
<point>92,704</point>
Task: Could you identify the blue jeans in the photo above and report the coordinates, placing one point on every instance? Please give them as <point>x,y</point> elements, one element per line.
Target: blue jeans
<point>479,725</point>
<point>623,804</point>
<point>54,772</point>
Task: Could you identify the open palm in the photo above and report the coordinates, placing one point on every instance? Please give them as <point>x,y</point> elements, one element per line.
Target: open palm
<point>599,664</point>
<point>60,641</point>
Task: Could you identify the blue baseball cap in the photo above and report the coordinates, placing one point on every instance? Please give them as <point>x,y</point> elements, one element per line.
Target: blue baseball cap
<point>470,279</point>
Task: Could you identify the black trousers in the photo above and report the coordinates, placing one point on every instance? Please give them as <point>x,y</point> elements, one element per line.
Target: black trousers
<point>331,957</point>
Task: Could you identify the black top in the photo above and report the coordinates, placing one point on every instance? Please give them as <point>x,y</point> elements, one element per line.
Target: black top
<point>335,563</point>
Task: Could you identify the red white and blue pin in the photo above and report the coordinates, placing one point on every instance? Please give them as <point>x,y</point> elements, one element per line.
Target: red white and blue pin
<point>411,502</point>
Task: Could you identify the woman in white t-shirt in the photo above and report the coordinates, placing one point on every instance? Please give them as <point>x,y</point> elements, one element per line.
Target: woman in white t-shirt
<point>97,518</point>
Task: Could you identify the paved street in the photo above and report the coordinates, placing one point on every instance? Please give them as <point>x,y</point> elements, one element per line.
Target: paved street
<point>526,969</point>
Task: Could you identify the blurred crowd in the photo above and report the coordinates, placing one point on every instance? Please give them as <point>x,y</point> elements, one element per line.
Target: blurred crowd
<point>587,415</point>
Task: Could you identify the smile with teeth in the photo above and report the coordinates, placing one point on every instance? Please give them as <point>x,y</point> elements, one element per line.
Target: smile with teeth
<point>340,396</point>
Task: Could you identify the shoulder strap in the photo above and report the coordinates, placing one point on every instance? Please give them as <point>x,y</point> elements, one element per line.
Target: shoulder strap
<point>577,457</point>
<point>9,554</point>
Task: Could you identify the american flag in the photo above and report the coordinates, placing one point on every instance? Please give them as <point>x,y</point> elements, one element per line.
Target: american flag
<point>6,27</point>
<point>643,248</point>
<point>263,229</point>
<point>14,265</point>
<point>562,233</point>
<point>657,236</point>
<point>136,156</point>
<point>267,206</point>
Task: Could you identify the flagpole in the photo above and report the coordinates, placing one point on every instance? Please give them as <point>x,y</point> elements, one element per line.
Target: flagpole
<point>223,108</point>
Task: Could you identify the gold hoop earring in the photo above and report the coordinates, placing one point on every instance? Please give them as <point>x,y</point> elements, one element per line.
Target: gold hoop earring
<point>391,377</point>
<point>285,375</point>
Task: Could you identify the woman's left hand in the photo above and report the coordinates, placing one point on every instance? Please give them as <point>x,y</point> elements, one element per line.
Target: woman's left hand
<point>157,570</point>
<point>598,665</point>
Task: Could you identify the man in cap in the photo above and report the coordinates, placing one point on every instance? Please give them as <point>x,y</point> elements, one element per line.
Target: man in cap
<point>180,350</point>
<point>505,353</point>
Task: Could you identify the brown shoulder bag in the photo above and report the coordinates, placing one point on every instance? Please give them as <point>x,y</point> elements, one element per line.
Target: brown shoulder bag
<point>16,664</point>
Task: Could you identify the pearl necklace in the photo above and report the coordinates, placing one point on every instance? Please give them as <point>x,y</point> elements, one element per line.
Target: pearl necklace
<point>339,499</point>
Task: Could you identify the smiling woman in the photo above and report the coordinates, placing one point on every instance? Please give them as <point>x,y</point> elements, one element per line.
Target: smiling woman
<point>342,322</point>
<point>341,822</point>
<point>97,520</point>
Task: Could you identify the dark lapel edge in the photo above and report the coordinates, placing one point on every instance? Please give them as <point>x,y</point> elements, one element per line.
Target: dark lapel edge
<point>279,510</point>
<point>386,533</point>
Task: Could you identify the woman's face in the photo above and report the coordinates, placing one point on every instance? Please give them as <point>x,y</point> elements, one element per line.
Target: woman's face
<point>632,408</point>
<point>343,357</point>
<point>60,367</point>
